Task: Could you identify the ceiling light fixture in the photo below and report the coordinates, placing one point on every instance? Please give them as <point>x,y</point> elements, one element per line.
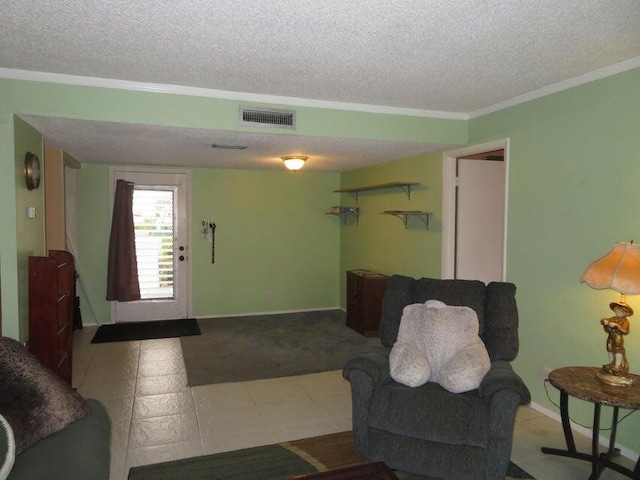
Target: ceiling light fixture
<point>294,162</point>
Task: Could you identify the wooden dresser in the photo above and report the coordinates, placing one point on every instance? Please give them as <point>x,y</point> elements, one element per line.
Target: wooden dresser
<point>365,290</point>
<point>51,296</point>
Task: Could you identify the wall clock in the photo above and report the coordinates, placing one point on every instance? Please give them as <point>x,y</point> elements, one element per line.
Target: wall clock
<point>32,171</point>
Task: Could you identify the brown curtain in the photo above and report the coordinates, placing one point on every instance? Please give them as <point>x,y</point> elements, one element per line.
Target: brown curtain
<point>122,269</point>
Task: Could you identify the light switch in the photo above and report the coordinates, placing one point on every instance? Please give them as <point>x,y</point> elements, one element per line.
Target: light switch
<point>31,212</point>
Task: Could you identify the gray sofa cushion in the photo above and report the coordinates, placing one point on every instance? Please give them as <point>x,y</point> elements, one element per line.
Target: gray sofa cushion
<point>439,459</point>
<point>34,400</point>
<point>79,452</point>
<point>469,425</point>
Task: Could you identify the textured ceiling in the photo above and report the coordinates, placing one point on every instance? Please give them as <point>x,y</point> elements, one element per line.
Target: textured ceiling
<point>115,143</point>
<point>436,55</point>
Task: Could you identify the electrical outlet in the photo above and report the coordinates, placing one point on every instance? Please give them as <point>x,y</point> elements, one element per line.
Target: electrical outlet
<point>545,373</point>
<point>269,295</point>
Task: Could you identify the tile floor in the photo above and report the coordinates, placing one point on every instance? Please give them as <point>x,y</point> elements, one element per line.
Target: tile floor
<point>156,417</point>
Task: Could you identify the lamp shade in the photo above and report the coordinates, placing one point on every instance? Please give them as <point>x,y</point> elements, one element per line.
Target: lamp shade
<point>294,162</point>
<point>619,270</point>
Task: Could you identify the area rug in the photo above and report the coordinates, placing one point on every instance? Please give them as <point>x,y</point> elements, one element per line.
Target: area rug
<point>124,332</point>
<point>274,462</point>
<point>237,349</point>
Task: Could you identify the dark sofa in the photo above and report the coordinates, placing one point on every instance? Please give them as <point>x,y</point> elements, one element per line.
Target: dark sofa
<point>78,452</point>
<point>428,430</point>
<point>53,431</point>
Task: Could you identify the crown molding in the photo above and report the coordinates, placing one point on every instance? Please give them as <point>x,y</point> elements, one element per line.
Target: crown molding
<point>161,88</point>
<point>64,79</point>
<point>604,72</point>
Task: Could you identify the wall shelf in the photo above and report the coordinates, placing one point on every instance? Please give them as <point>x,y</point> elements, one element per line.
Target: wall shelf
<point>404,186</point>
<point>404,216</point>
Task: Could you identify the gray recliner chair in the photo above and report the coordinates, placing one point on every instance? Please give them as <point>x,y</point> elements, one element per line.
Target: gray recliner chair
<point>428,430</point>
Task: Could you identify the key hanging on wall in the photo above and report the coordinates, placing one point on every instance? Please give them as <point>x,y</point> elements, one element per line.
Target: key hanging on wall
<point>209,232</point>
<point>212,226</point>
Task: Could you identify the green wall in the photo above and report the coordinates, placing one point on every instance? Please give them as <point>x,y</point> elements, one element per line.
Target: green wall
<point>573,192</point>
<point>116,105</point>
<point>93,223</point>
<point>8,238</point>
<point>380,242</point>
<point>272,236</point>
<point>29,232</point>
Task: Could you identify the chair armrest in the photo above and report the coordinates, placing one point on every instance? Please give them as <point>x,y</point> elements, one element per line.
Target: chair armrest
<point>373,365</point>
<point>502,377</point>
<point>365,373</point>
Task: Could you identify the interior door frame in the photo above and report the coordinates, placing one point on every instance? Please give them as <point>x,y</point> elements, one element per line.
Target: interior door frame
<point>151,170</point>
<point>449,160</point>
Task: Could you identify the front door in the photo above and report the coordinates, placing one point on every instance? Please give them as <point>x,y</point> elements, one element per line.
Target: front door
<point>160,222</point>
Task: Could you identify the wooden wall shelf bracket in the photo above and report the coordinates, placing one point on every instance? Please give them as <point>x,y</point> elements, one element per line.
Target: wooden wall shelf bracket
<point>404,215</point>
<point>344,217</point>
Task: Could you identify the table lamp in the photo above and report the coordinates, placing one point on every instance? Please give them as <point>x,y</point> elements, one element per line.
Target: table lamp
<point>619,270</point>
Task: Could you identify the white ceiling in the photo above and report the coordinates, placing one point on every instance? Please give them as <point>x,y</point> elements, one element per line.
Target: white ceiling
<point>432,56</point>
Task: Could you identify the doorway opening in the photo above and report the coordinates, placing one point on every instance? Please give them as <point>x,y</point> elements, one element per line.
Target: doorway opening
<point>475,183</point>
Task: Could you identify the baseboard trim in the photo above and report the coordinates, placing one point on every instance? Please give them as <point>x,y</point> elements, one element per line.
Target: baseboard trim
<point>92,324</point>
<point>277,312</point>
<point>249,314</point>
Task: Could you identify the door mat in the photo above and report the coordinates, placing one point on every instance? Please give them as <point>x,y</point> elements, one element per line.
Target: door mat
<point>125,332</point>
<point>275,462</point>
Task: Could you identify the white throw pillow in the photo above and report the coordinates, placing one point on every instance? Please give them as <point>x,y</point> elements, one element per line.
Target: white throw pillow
<point>439,343</point>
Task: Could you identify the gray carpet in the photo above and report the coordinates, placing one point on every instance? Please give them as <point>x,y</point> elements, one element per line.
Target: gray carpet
<point>237,349</point>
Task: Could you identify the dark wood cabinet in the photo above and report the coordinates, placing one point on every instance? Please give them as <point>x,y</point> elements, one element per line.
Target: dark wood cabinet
<point>51,296</point>
<point>365,290</point>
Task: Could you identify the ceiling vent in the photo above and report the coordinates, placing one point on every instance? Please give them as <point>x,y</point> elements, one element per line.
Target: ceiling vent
<point>267,118</point>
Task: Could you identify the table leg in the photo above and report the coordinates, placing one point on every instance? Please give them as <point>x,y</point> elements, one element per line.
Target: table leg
<point>596,465</point>
<point>566,424</point>
<point>614,430</point>
<point>568,434</point>
<point>612,452</point>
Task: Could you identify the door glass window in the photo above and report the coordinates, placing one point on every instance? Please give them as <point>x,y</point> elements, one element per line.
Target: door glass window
<point>153,220</point>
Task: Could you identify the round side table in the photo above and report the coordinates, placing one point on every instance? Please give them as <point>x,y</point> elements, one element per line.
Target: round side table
<point>581,382</point>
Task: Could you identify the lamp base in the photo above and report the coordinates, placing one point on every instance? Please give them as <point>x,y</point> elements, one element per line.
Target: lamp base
<point>614,380</point>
